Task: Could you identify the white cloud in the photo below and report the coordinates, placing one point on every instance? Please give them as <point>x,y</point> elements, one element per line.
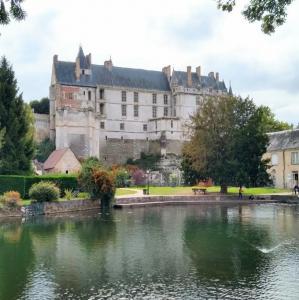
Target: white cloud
<point>152,34</point>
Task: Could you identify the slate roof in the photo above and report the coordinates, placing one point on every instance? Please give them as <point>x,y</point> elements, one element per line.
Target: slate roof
<point>54,158</point>
<point>282,140</point>
<point>122,77</point>
<point>204,82</point>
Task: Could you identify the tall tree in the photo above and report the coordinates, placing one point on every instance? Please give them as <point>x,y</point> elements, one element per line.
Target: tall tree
<point>271,13</point>
<point>41,106</point>
<point>228,139</point>
<point>16,117</point>
<point>271,123</point>
<point>44,149</point>
<point>12,9</point>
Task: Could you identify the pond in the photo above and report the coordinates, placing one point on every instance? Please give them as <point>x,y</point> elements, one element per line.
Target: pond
<point>178,252</point>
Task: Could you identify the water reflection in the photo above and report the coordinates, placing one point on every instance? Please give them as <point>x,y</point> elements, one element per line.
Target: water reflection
<point>247,252</point>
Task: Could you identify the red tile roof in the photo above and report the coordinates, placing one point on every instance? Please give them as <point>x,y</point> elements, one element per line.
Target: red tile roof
<point>54,158</point>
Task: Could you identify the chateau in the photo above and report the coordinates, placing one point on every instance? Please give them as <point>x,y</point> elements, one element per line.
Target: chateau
<point>116,113</point>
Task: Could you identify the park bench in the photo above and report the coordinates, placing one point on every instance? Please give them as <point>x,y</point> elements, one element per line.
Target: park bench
<point>199,190</point>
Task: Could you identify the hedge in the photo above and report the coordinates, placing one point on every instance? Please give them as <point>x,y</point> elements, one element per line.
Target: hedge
<point>22,184</point>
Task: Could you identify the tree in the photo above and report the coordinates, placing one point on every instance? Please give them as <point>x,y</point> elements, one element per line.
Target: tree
<point>17,119</point>
<point>271,13</point>
<point>41,106</point>
<point>228,139</point>
<point>271,123</point>
<point>12,9</point>
<point>2,132</point>
<point>44,149</point>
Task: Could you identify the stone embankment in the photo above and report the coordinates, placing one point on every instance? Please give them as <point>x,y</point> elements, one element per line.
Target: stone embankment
<point>198,199</point>
<point>50,208</point>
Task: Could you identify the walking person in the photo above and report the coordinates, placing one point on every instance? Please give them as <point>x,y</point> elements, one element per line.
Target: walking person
<point>296,189</point>
<point>240,193</point>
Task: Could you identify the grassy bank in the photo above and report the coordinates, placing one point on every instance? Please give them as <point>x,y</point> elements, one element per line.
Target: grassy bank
<point>183,190</point>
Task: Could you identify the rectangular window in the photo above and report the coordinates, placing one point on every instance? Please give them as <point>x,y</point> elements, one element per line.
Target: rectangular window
<point>144,127</point>
<point>174,101</point>
<point>171,123</point>
<point>197,100</point>
<point>122,126</point>
<point>135,97</point>
<point>136,111</point>
<point>123,96</point>
<point>102,111</point>
<point>154,98</point>
<point>154,111</point>
<point>165,111</point>
<point>69,96</point>
<point>174,112</point>
<point>124,110</point>
<point>101,93</point>
<point>165,99</point>
<point>89,95</point>
<point>295,158</point>
<point>274,159</point>
<point>102,124</point>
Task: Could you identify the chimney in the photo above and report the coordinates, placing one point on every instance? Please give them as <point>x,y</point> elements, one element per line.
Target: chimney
<point>217,76</point>
<point>211,74</point>
<point>189,77</point>
<point>108,64</point>
<point>198,72</point>
<point>88,59</point>
<point>55,58</point>
<point>167,72</point>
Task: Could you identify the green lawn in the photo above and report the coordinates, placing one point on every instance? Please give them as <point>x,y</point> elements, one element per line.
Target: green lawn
<point>186,190</point>
<point>183,190</point>
<point>123,192</point>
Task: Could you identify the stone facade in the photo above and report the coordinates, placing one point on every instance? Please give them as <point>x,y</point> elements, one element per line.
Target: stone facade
<point>42,127</point>
<point>62,161</point>
<point>283,153</point>
<point>116,113</point>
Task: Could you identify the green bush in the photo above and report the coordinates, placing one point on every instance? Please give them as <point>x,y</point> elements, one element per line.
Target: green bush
<point>122,178</point>
<point>44,191</point>
<point>68,194</point>
<point>11,182</point>
<point>22,184</point>
<point>99,183</point>
<point>63,182</point>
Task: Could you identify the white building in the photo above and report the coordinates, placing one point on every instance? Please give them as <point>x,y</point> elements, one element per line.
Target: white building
<point>116,113</point>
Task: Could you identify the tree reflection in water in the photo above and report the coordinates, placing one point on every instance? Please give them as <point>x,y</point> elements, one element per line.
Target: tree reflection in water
<point>223,249</point>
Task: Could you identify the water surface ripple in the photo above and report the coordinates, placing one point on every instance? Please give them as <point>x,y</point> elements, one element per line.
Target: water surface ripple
<point>179,252</point>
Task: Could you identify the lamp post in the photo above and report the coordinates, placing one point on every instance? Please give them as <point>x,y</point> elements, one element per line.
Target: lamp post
<point>148,173</point>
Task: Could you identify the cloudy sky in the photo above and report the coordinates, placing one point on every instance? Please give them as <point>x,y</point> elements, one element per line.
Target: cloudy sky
<point>151,34</point>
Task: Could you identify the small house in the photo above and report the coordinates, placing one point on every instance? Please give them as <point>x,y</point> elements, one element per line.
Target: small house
<point>62,161</point>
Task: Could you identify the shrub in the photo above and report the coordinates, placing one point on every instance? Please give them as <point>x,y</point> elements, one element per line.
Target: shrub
<point>63,182</point>
<point>44,191</point>
<point>22,184</point>
<point>139,177</point>
<point>85,177</point>
<point>11,199</point>
<point>104,187</point>
<point>122,178</point>
<point>12,182</point>
<point>99,183</point>
<point>68,194</point>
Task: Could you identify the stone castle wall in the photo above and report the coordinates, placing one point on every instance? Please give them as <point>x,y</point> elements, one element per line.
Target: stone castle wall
<point>42,127</point>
